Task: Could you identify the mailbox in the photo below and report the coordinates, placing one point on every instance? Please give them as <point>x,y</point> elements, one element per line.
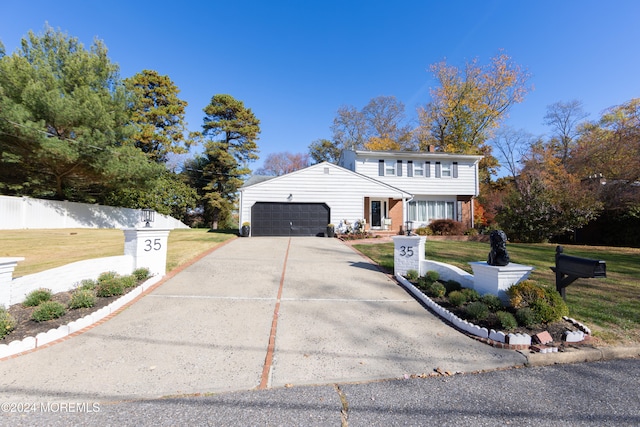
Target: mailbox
<point>569,268</point>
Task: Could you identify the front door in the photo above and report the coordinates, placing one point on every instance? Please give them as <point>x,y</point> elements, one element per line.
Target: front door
<point>376,213</point>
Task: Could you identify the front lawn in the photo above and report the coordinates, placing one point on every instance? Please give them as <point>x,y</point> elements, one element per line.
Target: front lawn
<point>610,307</point>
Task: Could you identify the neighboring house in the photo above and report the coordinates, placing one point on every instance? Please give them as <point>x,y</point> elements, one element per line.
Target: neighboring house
<point>386,189</point>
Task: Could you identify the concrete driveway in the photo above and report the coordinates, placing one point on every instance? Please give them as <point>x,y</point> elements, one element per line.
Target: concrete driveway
<point>255,313</point>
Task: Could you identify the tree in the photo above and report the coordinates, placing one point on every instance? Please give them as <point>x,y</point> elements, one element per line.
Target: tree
<point>232,132</point>
<point>512,145</point>
<point>323,150</point>
<point>469,105</point>
<point>379,124</point>
<point>277,164</point>
<point>564,118</point>
<point>158,115</point>
<point>547,201</point>
<point>63,122</point>
<point>608,151</point>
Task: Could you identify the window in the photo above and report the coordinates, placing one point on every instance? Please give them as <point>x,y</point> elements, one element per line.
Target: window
<point>390,168</point>
<point>445,170</point>
<point>418,169</point>
<point>427,211</point>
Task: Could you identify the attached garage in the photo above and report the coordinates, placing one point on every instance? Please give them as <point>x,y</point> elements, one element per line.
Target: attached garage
<point>289,219</point>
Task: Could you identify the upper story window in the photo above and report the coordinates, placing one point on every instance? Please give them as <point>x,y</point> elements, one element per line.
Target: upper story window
<point>445,169</point>
<point>389,167</point>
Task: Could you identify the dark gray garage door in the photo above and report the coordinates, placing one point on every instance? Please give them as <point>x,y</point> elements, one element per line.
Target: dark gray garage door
<point>289,219</point>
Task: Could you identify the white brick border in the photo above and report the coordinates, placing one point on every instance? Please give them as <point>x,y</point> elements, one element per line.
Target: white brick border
<point>44,338</point>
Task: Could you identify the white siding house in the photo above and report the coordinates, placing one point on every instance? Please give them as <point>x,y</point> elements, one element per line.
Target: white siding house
<point>386,189</point>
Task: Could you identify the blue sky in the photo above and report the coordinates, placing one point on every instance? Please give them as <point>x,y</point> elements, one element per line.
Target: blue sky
<point>294,63</point>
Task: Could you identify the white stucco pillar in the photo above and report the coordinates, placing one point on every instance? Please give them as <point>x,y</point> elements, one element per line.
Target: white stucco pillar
<point>148,247</point>
<point>7,265</point>
<point>408,254</point>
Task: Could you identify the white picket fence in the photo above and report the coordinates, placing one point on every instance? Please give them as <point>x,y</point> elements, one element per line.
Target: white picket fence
<point>25,212</point>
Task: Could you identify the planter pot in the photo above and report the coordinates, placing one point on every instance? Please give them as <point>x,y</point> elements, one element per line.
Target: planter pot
<point>245,230</point>
<point>331,232</point>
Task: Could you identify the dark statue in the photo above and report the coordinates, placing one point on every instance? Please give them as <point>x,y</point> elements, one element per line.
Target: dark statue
<point>498,255</point>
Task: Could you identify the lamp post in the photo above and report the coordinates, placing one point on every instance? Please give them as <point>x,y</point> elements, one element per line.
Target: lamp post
<point>147,217</point>
<point>409,226</point>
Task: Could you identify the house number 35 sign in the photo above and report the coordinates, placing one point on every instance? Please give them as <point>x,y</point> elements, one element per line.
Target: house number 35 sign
<point>152,245</point>
<point>406,251</point>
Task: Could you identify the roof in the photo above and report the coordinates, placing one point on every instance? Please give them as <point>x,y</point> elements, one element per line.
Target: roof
<point>416,155</point>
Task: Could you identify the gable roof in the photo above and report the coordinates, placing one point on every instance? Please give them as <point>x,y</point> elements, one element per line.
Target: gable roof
<point>416,155</point>
<point>339,169</point>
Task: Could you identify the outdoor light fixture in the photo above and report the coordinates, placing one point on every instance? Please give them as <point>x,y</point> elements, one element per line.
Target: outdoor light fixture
<point>147,216</point>
<point>409,227</point>
<point>290,197</point>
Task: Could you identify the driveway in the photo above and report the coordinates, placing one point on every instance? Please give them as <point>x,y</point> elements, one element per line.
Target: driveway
<point>255,313</point>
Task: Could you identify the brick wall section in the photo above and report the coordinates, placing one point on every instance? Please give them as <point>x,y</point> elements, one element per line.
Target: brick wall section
<point>466,216</point>
<point>395,213</point>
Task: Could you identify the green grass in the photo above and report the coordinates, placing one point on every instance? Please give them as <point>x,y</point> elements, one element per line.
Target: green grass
<point>610,307</point>
<point>45,249</point>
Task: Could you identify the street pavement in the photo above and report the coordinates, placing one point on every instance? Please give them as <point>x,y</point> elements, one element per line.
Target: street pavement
<point>301,331</point>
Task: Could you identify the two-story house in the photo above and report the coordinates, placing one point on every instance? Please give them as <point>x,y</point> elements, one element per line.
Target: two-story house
<point>385,188</point>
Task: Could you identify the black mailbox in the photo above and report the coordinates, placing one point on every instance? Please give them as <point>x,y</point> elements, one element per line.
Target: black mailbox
<point>569,268</point>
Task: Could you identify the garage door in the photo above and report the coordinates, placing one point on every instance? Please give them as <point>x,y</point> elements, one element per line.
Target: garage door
<point>289,219</point>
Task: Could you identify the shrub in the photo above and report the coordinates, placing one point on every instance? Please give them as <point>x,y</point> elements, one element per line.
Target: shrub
<point>492,301</point>
<point>82,298</point>
<point>457,298</point>
<point>471,294</point>
<point>109,288</point>
<point>452,285</point>
<point>551,308</point>
<point>7,322</point>
<point>477,310</point>
<point>87,284</point>
<point>507,320</point>
<point>423,231</point>
<point>36,297</point>
<point>447,227</point>
<point>141,273</point>
<point>106,276</point>
<point>524,293</point>
<point>432,275</point>
<point>436,290</point>
<point>128,281</point>
<point>48,310</point>
<point>526,317</point>
<point>412,275</point>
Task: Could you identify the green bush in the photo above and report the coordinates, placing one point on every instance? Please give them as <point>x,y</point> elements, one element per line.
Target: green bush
<point>432,275</point>
<point>141,273</point>
<point>471,294</point>
<point>551,308</point>
<point>7,322</point>
<point>82,298</point>
<point>87,284</point>
<point>107,276</point>
<point>457,298</point>
<point>507,320</point>
<point>129,281</point>
<point>109,288</point>
<point>412,275</point>
<point>526,317</point>
<point>435,290</point>
<point>492,301</point>
<point>452,285</point>
<point>423,231</point>
<point>524,293</point>
<point>48,310</point>
<point>36,297</point>
<point>477,310</point>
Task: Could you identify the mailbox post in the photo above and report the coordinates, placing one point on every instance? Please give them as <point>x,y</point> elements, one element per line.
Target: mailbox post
<point>570,268</point>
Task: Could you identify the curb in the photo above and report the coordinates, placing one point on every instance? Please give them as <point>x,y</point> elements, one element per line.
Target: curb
<point>580,355</point>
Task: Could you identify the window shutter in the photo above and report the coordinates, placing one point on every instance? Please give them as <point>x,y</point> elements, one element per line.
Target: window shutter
<point>409,168</point>
<point>438,169</point>
<point>380,167</point>
<point>454,171</point>
<point>427,170</point>
<point>399,168</point>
